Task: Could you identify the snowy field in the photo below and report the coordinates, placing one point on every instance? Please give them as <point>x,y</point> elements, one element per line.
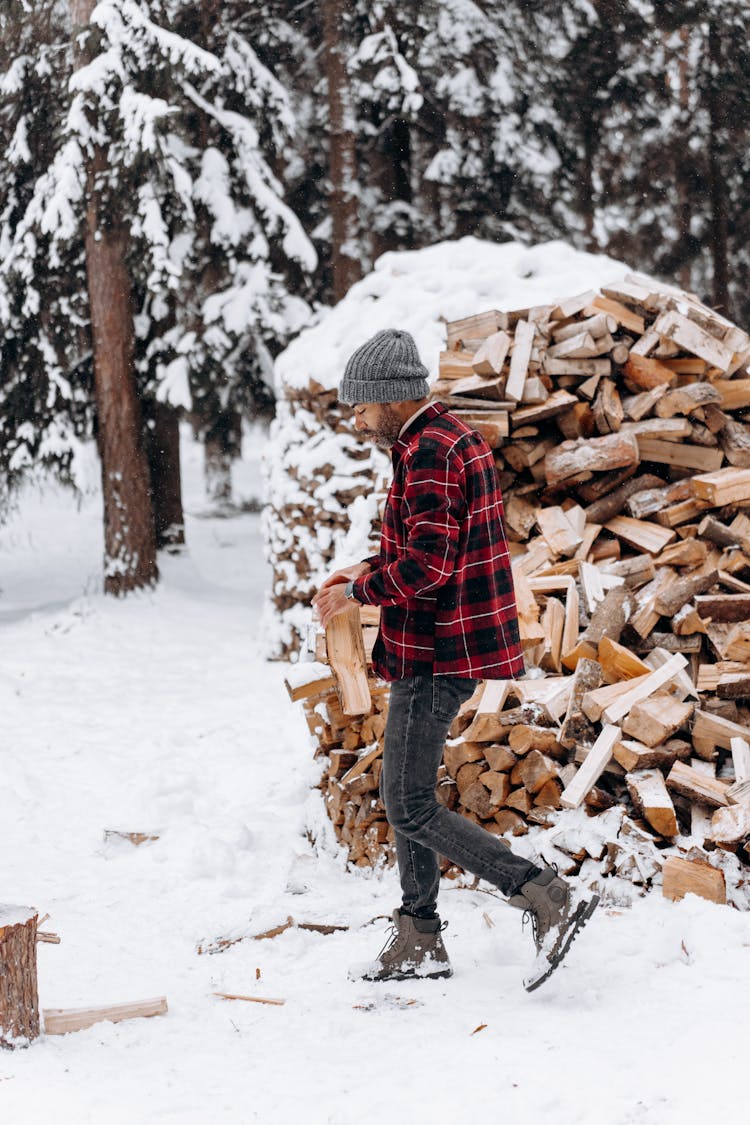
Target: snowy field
<point>159,714</point>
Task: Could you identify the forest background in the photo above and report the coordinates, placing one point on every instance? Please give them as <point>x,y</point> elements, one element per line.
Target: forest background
<point>184,184</point>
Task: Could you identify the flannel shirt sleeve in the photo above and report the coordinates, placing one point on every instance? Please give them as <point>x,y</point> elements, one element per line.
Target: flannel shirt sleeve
<point>432,509</point>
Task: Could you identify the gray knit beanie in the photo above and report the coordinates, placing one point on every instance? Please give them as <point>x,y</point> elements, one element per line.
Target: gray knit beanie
<point>385,369</point>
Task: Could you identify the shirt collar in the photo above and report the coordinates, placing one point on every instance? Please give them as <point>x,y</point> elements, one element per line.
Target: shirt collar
<point>413,418</point>
<point>414,424</point>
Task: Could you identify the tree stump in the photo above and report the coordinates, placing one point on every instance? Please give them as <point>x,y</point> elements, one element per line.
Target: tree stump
<point>19,1001</point>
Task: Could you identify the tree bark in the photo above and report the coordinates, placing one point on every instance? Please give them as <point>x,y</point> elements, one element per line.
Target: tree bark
<point>166,485</point>
<point>716,136</point>
<point>345,260</point>
<point>392,161</point>
<point>129,536</point>
<point>19,1001</point>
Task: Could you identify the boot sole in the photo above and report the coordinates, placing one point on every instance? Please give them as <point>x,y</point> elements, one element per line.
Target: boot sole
<point>580,918</point>
<point>444,974</point>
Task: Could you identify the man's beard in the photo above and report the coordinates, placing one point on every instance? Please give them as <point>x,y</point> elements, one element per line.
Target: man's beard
<point>387,428</point>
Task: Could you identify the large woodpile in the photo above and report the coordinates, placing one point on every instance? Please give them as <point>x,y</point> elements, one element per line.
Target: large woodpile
<point>619,421</point>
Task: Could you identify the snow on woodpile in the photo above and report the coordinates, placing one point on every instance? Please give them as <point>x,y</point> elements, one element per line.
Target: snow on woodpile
<point>619,418</point>
<point>324,488</point>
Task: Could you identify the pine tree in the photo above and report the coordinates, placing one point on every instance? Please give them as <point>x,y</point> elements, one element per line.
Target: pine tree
<point>190,121</point>
<point>46,404</point>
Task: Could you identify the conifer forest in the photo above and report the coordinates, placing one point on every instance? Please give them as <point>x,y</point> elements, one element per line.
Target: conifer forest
<point>184,184</point>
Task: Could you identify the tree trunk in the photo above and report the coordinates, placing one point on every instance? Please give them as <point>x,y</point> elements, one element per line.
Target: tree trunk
<point>129,537</point>
<point>392,163</point>
<point>222,445</point>
<point>345,260</point>
<point>166,485</point>
<point>716,136</point>
<point>19,1002</point>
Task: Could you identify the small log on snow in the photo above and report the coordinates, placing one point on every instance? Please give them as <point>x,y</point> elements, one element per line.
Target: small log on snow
<point>59,1021</point>
<point>19,1001</point>
<point>688,876</point>
<point>251,999</point>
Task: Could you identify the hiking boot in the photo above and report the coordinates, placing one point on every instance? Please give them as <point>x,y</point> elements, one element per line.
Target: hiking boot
<point>414,949</point>
<point>557,914</point>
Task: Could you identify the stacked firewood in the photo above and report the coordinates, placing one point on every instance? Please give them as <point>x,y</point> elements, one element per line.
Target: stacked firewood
<point>320,474</point>
<point>619,422</point>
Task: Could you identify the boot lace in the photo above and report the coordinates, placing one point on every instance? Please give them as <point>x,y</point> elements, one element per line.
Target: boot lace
<point>390,940</point>
<point>529,917</point>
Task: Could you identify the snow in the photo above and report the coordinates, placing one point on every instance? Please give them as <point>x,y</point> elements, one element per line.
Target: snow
<point>157,713</point>
<point>418,290</point>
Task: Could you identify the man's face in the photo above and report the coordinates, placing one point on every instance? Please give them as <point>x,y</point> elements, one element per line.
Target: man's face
<point>378,422</point>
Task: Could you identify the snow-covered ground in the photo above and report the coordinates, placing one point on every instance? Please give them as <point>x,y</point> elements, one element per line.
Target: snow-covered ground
<point>158,713</point>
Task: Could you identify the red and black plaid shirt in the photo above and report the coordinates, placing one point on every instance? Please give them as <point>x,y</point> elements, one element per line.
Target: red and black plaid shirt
<point>443,575</point>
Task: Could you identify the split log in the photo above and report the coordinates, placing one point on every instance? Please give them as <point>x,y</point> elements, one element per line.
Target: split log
<point>651,799</point>
<point>491,355</point>
<point>60,1021</point>
<point>730,826</point>
<point>724,607</point>
<point>697,786</point>
<point>737,645</point>
<point>643,374</point>
<point>346,655</point>
<point>725,486</point>
<point>573,460</point>
<point>741,759</point>
<point>684,400</point>
<point>642,689</point>
<point>684,876</point>
<point>577,729</point>
<point>710,731</point>
<point>683,590</point>
<point>523,738</point>
<point>633,755</point>
<point>608,621</point>
<point>19,1000</point>
<point>642,535</point>
<point>519,360</point>
<point>611,505</point>
<point>656,719</point>
<point>533,771</point>
<point>596,760</point>
<point>618,662</point>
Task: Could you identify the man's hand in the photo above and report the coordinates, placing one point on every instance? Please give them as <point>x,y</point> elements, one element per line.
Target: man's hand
<point>331,599</point>
<point>348,574</point>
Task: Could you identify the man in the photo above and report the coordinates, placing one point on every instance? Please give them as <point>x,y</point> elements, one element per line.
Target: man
<point>448,619</point>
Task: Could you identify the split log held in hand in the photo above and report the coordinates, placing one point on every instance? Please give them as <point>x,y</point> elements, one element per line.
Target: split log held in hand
<point>19,1001</point>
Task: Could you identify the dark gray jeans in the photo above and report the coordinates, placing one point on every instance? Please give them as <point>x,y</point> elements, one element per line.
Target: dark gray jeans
<point>420,713</point>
